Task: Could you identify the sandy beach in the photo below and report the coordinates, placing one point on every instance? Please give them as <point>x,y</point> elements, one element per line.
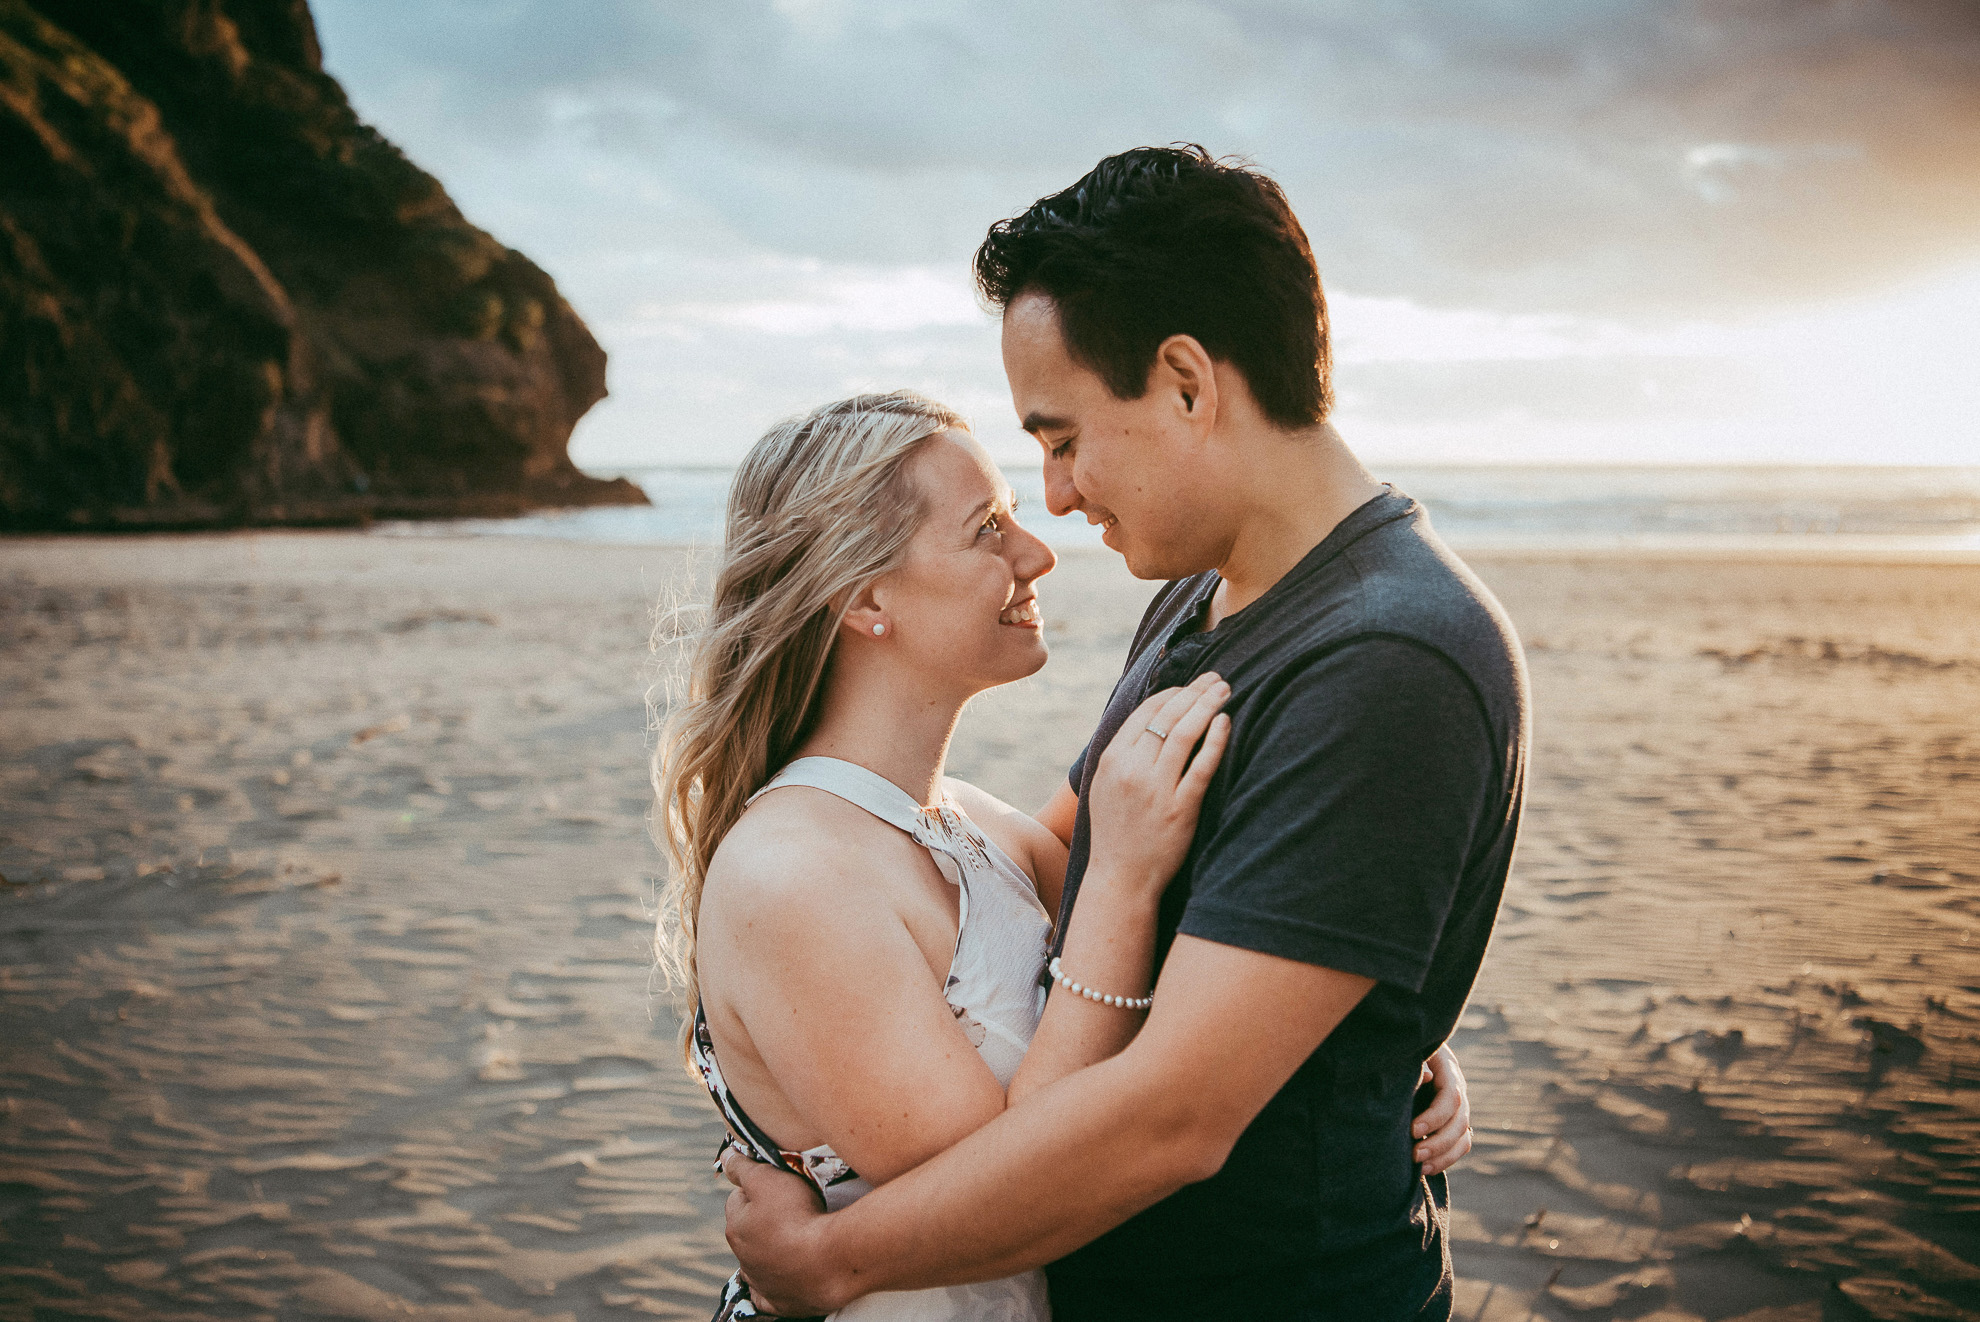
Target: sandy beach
<point>325,934</point>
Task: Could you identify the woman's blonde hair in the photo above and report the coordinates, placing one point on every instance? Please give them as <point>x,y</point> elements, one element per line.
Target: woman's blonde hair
<point>822,506</point>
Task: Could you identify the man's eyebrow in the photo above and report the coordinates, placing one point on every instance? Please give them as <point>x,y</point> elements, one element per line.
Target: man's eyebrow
<point>982,507</point>
<point>1038,422</point>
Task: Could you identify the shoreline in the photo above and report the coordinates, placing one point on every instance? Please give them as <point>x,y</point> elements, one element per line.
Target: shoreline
<point>1785,549</point>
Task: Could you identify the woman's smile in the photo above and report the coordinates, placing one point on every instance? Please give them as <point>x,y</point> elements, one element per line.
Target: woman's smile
<point>1021,614</point>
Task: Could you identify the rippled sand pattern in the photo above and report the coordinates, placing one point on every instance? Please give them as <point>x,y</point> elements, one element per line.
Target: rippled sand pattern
<point>324,939</point>
<point>1728,1039</point>
<point>327,944</point>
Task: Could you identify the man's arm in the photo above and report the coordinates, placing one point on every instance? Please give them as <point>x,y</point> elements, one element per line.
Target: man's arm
<point>1081,1156</point>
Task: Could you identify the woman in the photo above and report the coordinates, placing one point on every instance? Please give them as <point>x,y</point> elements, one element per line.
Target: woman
<point>862,938</point>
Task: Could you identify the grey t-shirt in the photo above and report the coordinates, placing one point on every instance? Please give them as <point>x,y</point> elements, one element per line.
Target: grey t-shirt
<point>1362,819</point>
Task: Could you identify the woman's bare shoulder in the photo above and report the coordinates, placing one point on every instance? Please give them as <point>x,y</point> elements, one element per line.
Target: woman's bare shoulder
<point>794,847</point>
<point>804,886</point>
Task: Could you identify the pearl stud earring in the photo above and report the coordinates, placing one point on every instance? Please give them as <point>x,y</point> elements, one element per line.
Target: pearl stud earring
<point>879,629</point>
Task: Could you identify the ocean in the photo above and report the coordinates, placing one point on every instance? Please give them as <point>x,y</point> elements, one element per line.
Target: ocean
<point>1907,510</point>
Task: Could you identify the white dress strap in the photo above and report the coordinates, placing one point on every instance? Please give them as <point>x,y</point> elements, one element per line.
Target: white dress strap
<point>853,783</point>
<point>943,830</point>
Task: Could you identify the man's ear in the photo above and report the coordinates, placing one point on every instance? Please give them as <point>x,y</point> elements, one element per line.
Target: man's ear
<point>1184,367</point>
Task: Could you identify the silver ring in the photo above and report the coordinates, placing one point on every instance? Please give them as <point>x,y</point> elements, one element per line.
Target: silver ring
<point>1159,734</point>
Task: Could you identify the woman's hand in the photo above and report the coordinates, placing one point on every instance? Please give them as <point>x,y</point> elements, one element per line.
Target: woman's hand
<point>1142,804</point>
<point>1443,1131</point>
<point>1148,787</point>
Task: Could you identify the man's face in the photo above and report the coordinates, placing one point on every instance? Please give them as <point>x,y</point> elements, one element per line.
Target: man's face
<point>1132,466</point>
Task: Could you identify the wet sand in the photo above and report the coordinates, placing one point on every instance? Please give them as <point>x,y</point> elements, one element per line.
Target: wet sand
<point>324,935</point>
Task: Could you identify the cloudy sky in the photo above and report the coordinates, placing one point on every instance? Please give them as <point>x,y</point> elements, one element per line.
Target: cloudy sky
<point>1551,230</point>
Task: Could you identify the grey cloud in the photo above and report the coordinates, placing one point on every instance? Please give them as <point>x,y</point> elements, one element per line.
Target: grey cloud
<point>1631,159</point>
<point>1623,156</point>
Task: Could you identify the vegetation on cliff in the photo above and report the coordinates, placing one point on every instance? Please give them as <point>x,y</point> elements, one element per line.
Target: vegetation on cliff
<point>225,300</point>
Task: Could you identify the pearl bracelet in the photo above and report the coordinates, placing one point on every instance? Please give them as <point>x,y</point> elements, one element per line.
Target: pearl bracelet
<point>1123,1002</point>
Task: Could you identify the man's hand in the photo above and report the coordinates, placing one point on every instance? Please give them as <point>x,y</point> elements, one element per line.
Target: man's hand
<point>1443,1131</point>
<point>772,1215</point>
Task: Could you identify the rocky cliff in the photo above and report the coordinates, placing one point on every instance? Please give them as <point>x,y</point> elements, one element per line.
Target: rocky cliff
<point>224,300</point>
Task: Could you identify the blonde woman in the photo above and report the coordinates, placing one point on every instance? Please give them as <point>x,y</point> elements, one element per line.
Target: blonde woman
<point>863,940</point>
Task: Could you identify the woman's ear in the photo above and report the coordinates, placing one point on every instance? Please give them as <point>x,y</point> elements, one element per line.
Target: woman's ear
<point>865,617</point>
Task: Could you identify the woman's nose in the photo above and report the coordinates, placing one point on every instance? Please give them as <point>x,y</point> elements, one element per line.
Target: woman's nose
<point>1030,557</point>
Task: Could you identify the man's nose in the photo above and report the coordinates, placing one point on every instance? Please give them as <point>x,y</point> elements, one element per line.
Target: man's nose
<point>1061,496</point>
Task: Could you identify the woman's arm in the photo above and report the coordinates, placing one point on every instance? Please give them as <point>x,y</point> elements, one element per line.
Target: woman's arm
<point>1059,813</point>
<point>1146,793</point>
<point>841,1004</point>
<point>809,955</point>
<point>1030,844</point>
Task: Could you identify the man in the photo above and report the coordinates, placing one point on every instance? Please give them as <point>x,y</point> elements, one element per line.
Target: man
<point>1250,1153</point>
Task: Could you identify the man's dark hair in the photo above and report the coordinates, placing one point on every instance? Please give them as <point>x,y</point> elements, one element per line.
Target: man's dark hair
<point>1162,241</point>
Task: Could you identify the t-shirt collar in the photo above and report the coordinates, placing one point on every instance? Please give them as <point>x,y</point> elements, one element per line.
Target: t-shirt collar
<point>1383,508</point>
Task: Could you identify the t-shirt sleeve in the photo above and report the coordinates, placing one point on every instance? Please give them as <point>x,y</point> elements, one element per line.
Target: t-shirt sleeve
<point>1355,794</point>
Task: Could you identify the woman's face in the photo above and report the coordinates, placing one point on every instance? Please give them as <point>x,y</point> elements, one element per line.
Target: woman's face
<point>962,605</point>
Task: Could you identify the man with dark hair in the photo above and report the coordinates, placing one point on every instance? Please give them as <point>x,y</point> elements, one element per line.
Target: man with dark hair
<point>1250,1153</point>
<point>1164,237</point>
